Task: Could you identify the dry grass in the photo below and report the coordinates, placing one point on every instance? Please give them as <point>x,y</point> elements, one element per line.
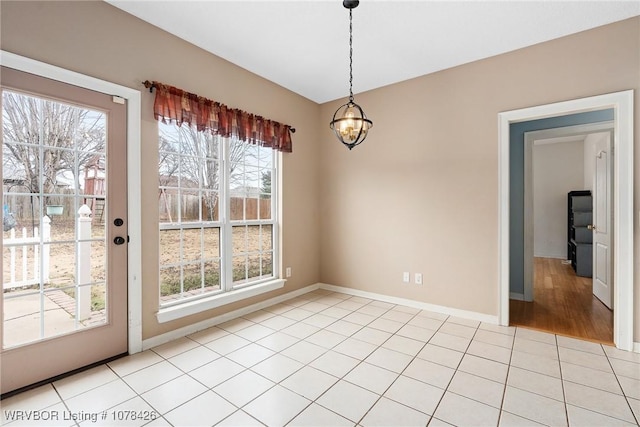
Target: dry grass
<point>194,244</point>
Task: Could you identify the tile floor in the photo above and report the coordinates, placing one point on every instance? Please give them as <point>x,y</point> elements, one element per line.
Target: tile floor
<point>330,359</point>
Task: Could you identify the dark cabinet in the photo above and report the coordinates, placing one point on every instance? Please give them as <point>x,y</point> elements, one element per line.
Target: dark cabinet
<point>579,234</point>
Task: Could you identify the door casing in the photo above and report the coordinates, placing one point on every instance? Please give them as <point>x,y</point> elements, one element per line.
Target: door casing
<point>622,103</point>
<point>133,98</point>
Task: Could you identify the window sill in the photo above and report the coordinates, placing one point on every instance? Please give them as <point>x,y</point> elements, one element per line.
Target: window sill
<point>192,307</point>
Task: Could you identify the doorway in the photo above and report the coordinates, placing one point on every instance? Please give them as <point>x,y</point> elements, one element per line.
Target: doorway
<point>64,298</point>
<point>621,103</point>
<point>560,295</point>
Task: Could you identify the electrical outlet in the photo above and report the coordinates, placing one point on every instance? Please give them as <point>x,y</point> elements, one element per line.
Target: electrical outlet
<point>418,278</point>
<point>287,272</point>
<point>405,277</point>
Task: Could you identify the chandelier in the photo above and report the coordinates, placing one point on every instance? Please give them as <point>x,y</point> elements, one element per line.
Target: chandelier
<point>349,123</point>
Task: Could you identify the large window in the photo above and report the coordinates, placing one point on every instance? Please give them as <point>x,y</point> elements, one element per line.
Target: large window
<point>217,201</point>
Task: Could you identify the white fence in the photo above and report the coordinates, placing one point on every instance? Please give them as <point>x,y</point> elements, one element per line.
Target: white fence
<point>26,244</point>
<point>31,259</point>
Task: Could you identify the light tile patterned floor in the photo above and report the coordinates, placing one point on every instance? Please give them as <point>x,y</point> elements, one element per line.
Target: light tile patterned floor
<point>330,359</point>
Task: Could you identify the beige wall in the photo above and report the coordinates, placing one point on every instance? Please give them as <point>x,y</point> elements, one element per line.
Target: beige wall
<point>421,193</point>
<point>99,40</point>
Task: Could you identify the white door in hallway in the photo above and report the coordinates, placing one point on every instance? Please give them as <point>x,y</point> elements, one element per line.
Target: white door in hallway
<point>602,227</point>
<point>64,264</point>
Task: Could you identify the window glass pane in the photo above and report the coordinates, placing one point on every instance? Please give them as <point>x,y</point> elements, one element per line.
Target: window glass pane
<point>267,264</point>
<point>170,283</point>
<point>62,262</point>
<point>239,239</point>
<point>266,238</point>
<point>211,244</point>
<point>192,278</point>
<point>191,244</point>
<point>169,246</point>
<point>236,207</point>
<point>254,266</point>
<point>189,172</point>
<point>265,158</point>
<point>251,208</point>
<point>239,268</point>
<point>212,276</point>
<point>190,206</point>
<point>210,206</point>
<point>264,211</point>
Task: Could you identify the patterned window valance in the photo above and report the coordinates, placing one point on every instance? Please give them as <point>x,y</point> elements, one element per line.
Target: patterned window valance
<point>176,105</point>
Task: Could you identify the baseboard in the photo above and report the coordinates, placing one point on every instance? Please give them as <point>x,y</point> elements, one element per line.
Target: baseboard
<point>516,296</point>
<point>471,315</point>
<point>636,347</point>
<point>196,327</point>
<point>552,256</point>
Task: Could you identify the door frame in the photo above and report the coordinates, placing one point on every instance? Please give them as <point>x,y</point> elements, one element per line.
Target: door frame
<point>622,103</point>
<point>133,98</point>
<point>530,139</point>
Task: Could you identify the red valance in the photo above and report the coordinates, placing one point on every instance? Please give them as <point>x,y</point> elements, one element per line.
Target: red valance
<point>175,105</point>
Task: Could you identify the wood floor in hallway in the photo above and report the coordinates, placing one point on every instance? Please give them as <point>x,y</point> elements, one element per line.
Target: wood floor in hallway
<point>563,304</point>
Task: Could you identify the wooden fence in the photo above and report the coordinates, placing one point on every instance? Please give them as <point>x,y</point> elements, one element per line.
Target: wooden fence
<point>240,207</point>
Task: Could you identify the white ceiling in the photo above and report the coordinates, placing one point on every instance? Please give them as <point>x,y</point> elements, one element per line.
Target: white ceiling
<point>304,45</point>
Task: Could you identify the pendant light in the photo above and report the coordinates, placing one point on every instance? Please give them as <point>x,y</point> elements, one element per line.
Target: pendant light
<point>349,122</point>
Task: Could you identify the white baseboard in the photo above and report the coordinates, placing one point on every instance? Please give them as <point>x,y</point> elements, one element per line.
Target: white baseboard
<point>636,347</point>
<point>516,296</point>
<point>472,315</point>
<point>193,328</point>
<point>190,329</point>
<point>562,255</point>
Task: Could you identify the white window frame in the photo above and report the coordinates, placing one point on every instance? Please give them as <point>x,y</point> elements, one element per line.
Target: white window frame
<point>229,292</point>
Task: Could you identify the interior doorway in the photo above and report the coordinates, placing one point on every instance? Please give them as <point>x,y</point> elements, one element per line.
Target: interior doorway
<point>567,284</point>
<point>621,103</point>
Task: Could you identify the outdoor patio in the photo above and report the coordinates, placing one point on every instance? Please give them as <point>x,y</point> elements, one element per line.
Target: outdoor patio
<point>22,316</point>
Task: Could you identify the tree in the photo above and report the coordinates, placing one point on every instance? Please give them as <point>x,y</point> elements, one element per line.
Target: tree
<point>191,160</point>
<point>266,184</point>
<point>44,138</point>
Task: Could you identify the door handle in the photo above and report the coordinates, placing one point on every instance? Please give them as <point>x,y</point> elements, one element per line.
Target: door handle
<point>591,227</point>
<point>119,240</point>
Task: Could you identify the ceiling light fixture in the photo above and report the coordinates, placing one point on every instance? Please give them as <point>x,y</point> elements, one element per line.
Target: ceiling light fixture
<point>349,122</point>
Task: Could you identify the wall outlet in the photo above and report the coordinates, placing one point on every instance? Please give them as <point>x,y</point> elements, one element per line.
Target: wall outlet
<point>287,272</point>
<point>405,277</point>
<point>418,278</point>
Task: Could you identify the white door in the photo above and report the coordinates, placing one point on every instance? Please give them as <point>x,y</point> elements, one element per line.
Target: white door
<point>603,221</point>
<point>64,264</point>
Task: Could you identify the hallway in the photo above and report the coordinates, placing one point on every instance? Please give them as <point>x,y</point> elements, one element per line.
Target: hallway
<point>563,304</point>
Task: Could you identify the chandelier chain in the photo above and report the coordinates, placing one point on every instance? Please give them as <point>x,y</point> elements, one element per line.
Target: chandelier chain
<point>351,55</point>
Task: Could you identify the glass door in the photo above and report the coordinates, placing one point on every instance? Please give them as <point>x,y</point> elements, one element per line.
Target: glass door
<point>64,270</point>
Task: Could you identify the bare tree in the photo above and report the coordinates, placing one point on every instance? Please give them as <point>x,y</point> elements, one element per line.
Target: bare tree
<point>194,158</point>
<point>43,138</point>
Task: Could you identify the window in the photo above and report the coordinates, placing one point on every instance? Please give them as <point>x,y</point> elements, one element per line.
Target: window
<point>217,201</point>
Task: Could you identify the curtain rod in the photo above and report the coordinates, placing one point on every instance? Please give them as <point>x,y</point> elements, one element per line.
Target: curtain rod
<point>150,85</point>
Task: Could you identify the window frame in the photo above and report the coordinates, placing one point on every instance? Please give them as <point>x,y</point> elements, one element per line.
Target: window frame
<point>229,291</point>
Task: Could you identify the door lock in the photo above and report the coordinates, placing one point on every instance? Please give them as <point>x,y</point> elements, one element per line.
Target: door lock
<point>119,240</point>
<point>118,222</point>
